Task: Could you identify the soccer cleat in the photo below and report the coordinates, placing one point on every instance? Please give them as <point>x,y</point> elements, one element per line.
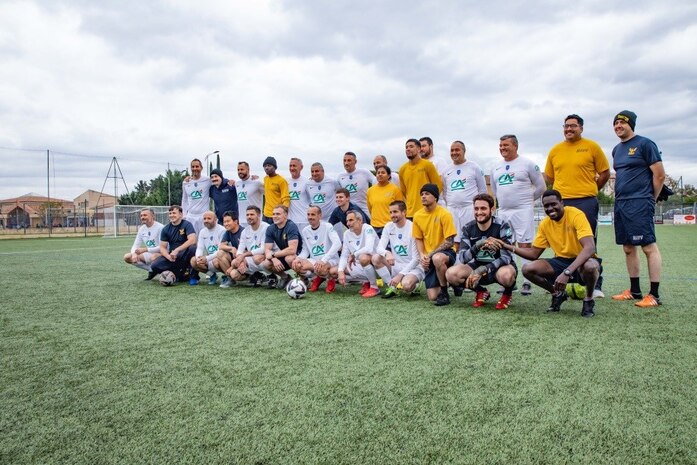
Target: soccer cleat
<point>501,289</point>
<point>256,278</point>
<point>588,306</point>
<point>503,302</point>
<point>315,284</point>
<point>481,298</point>
<point>283,282</point>
<point>648,301</point>
<point>458,290</point>
<point>626,295</point>
<point>389,293</point>
<point>227,283</point>
<point>193,282</point>
<point>371,292</point>
<point>557,300</point>
<point>271,283</point>
<point>364,288</point>
<point>151,275</point>
<point>213,279</point>
<point>442,299</point>
<point>331,286</point>
<point>598,294</point>
<point>527,289</point>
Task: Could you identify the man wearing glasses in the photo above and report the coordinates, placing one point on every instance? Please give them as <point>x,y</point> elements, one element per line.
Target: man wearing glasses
<point>578,169</point>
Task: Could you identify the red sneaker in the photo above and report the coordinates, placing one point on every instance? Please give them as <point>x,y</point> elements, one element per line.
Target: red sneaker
<point>315,284</point>
<point>331,286</point>
<point>503,302</point>
<point>371,292</point>
<point>365,288</point>
<point>481,298</point>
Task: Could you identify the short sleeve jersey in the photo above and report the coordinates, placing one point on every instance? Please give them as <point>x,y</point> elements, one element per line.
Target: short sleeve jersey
<point>379,200</point>
<point>320,243</point>
<point>281,236</point>
<point>517,183</point>
<point>563,236</point>
<point>322,194</point>
<point>412,178</point>
<point>148,237</point>
<point>299,202</point>
<point>401,242</point>
<point>357,183</point>
<point>339,216</point>
<point>276,193</point>
<point>209,240</point>
<point>233,238</point>
<point>461,183</point>
<point>196,196</point>
<point>574,165</point>
<point>632,161</point>
<point>252,240</point>
<point>176,235</point>
<point>249,192</point>
<point>433,227</point>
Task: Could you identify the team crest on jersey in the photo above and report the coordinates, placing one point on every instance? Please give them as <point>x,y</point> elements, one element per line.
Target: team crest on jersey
<point>458,184</point>
<point>196,195</point>
<point>537,168</point>
<point>399,235</point>
<point>284,236</point>
<point>400,250</point>
<point>182,231</point>
<point>506,179</point>
<point>318,250</point>
<point>295,195</point>
<point>632,151</point>
<point>318,198</point>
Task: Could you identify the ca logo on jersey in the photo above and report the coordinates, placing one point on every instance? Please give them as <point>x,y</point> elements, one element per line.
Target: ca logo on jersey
<point>400,250</point>
<point>352,188</point>
<point>150,243</point>
<point>318,250</point>
<point>506,179</point>
<point>254,247</point>
<point>241,195</point>
<point>318,198</point>
<point>212,249</point>
<point>458,184</point>
<point>196,195</point>
<point>295,195</point>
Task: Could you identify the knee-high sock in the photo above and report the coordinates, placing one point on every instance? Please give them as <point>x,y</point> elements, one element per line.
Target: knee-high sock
<point>384,274</point>
<point>372,276</point>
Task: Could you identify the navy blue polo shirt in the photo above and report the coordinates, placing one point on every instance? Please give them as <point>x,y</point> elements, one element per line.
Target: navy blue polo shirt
<point>224,199</point>
<point>176,235</point>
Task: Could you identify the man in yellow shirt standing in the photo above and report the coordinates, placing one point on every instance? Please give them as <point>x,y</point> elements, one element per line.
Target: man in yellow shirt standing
<point>380,196</point>
<point>578,169</point>
<point>275,189</point>
<point>567,232</point>
<point>434,232</point>
<point>414,174</point>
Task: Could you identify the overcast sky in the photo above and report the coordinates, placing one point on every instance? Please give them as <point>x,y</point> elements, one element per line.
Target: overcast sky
<point>153,82</point>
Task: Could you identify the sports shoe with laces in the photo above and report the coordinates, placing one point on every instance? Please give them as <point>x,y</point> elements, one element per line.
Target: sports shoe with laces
<point>226,283</point>
<point>458,290</point>
<point>648,301</point>
<point>193,282</point>
<point>271,283</point>
<point>371,292</point>
<point>389,293</point>
<point>503,302</point>
<point>213,279</point>
<point>626,295</point>
<point>331,286</point>
<point>587,310</point>
<point>364,288</point>
<point>526,290</point>
<point>598,294</point>
<point>283,282</point>
<point>442,299</point>
<point>481,298</point>
<point>315,284</point>
<point>557,300</point>
<point>151,274</point>
<point>256,278</point>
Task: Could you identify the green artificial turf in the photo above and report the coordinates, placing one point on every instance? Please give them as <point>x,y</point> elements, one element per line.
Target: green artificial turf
<point>99,366</point>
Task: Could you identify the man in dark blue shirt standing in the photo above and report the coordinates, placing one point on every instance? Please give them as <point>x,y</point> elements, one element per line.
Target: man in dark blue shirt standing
<point>223,194</point>
<point>638,181</point>
<point>177,245</point>
<point>344,205</point>
<point>282,235</point>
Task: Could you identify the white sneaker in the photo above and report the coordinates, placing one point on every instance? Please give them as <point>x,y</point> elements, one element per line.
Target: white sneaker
<point>598,294</point>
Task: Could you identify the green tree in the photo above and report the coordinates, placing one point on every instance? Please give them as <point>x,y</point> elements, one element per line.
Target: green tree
<point>155,191</point>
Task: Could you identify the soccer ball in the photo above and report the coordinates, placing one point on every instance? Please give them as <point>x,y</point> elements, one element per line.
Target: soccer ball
<point>296,288</point>
<point>167,278</point>
<point>576,291</point>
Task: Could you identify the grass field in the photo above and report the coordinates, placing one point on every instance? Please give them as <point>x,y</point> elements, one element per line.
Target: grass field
<point>99,366</point>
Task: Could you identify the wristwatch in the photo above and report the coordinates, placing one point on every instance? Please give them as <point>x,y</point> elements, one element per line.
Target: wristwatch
<point>567,272</point>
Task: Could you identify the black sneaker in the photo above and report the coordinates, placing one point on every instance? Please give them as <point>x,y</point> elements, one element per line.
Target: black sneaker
<point>271,283</point>
<point>587,311</point>
<point>283,282</point>
<point>152,274</point>
<point>442,299</point>
<point>256,278</point>
<point>458,290</point>
<point>526,290</point>
<point>557,300</point>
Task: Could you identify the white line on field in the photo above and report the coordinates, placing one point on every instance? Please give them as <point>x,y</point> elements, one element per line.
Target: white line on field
<point>59,250</point>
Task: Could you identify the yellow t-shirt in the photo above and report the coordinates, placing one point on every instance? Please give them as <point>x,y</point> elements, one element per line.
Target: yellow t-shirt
<point>379,199</point>
<point>563,236</point>
<point>433,227</point>
<point>275,193</point>
<point>412,178</point>
<point>573,165</point>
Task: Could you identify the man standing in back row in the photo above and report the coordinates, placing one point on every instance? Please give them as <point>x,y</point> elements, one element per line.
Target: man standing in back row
<point>639,180</point>
<point>578,169</point>
<point>414,174</point>
<point>275,189</point>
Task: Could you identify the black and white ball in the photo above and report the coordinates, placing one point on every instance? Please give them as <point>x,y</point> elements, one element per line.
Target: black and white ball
<point>167,278</point>
<point>296,288</point>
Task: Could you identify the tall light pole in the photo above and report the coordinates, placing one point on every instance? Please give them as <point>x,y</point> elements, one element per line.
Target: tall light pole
<point>205,160</point>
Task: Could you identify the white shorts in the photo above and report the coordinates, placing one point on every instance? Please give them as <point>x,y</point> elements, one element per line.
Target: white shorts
<point>253,267</point>
<point>196,221</point>
<point>522,221</point>
<point>355,273</point>
<point>417,271</point>
<point>331,261</point>
<point>147,256</point>
<point>461,216</point>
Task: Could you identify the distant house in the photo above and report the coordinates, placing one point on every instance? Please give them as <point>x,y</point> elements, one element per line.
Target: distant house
<point>95,201</point>
<point>33,210</point>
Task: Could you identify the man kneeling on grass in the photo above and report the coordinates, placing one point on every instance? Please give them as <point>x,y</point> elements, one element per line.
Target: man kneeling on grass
<point>567,232</point>
<point>481,261</point>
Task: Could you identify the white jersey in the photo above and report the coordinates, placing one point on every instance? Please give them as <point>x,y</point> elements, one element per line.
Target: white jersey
<point>357,183</point>
<point>253,240</point>
<point>441,164</point>
<point>209,240</point>
<point>461,183</point>
<point>321,244</point>
<point>517,183</point>
<point>394,178</point>
<point>402,244</point>
<point>249,192</point>
<point>357,245</point>
<point>148,237</point>
<point>299,201</point>
<point>322,194</point>
<point>195,197</point>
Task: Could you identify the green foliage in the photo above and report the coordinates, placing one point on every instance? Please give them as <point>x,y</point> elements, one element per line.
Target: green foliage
<point>155,191</point>
<point>99,366</point>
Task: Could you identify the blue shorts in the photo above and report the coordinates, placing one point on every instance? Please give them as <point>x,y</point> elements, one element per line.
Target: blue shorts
<point>431,278</point>
<point>559,264</point>
<point>589,206</point>
<point>634,222</point>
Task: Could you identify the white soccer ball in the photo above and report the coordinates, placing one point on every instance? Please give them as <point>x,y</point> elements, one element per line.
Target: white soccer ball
<point>296,288</point>
<point>167,278</point>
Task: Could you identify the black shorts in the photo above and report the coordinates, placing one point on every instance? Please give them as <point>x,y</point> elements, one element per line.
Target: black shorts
<point>559,264</point>
<point>634,222</point>
<point>589,206</point>
<point>490,278</point>
<point>378,231</point>
<point>431,278</point>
